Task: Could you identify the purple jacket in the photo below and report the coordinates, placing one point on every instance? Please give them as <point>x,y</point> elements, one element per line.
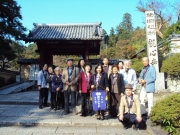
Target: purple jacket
<point>56,83</point>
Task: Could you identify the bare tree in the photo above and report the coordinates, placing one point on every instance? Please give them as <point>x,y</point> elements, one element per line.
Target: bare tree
<point>162,16</point>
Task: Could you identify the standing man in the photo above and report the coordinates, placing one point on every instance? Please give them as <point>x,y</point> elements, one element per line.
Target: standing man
<point>70,78</point>
<point>107,69</point>
<point>129,75</point>
<point>147,80</point>
<point>42,87</point>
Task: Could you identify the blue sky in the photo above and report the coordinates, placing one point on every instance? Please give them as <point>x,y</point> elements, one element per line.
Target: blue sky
<point>109,12</point>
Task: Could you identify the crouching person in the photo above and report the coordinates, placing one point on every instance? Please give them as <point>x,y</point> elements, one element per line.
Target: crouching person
<point>129,109</point>
<point>56,87</point>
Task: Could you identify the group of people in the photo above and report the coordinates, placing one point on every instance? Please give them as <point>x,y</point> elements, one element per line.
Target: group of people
<point>119,81</point>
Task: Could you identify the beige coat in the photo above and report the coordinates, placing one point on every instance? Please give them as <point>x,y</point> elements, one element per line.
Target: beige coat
<point>123,108</point>
<point>74,78</point>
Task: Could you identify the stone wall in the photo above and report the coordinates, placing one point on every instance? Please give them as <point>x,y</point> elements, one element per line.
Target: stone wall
<point>173,84</point>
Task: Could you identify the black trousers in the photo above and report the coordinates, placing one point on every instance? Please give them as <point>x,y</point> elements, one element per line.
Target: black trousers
<point>130,119</point>
<point>45,96</point>
<point>54,100</point>
<point>42,93</point>
<point>67,94</point>
<point>60,99</point>
<point>84,103</point>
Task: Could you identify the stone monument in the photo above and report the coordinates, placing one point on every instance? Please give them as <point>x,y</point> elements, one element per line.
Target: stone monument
<point>152,49</point>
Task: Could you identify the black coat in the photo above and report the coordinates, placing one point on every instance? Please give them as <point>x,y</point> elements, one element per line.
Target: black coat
<point>120,83</point>
<point>103,83</point>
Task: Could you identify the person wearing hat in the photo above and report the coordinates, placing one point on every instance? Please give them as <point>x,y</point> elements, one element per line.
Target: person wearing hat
<point>69,77</point>
<point>84,86</point>
<point>129,109</point>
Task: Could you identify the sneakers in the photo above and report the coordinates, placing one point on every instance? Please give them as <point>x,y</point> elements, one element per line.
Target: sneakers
<point>40,107</point>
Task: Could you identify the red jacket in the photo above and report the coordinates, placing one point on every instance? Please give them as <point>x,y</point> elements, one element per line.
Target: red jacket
<point>83,83</point>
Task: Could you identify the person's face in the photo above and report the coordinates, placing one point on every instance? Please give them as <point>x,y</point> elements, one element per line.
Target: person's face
<point>45,67</point>
<point>70,63</point>
<point>128,92</point>
<point>57,72</point>
<point>127,65</point>
<point>115,70</point>
<point>98,69</point>
<point>105,61</point>
<point>50,70</point>
<point>145,61</point>
<point>82,63</point>
<point>87,68</point>
<point>120,65</point>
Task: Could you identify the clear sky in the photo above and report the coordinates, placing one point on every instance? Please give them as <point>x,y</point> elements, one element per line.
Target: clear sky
<point>109,12</point>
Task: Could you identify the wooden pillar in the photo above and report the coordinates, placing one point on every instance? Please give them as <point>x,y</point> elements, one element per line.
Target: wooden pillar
<point>41,58</point>
<point>86,52</point>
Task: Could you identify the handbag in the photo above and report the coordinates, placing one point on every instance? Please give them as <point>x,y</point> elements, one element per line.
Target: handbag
<point>79,99</point>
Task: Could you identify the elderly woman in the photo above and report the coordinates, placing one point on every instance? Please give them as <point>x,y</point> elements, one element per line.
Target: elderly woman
<point>57,86</point>
<point>99,82</point>
<point>116,88</point>
<point>84,86</point>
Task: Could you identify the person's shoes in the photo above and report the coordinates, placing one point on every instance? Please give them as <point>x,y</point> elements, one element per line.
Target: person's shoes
<point>125,127</point>
<point>98,117</point>
<point>40,107</point>
<point>54,109</point>
<point>75,113</point>
<point>58,107</point>
<point>134,127</point>
<point>65,113</point>
<point>102,117</point>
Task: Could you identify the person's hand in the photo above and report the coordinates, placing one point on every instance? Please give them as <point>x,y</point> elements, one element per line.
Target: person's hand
<point>92,86</point>
<point>122,94</point>
<point>121,117</point>
<point>143,81</point>
<point>140,81</point>
<point>139,119</point>
<point>39,87</point>
<point>67,83</point>
<point>57,89</point>
<point>107,89</point>
<point>70,83</point>
<point>80,91</point>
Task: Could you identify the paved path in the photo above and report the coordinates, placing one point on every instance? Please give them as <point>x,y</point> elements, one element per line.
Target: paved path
<point>21,115</point>
<point>16,88</point>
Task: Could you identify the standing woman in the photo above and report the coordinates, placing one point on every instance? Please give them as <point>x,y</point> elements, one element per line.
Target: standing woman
<point>116,88</point>
<point>57,85</point>
<point>81,64</point>
<point>121,67</point>
<point>84,86</point>
<point>100,82</point>
<point>49,81</point>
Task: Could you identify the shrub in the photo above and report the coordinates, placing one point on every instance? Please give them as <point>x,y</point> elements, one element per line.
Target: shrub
<point>171,65</point>
<point>137,66</point>
<point>166,113</point>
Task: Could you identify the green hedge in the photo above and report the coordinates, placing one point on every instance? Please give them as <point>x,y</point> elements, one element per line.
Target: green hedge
<point>166,113</point>
<point>171,65</point>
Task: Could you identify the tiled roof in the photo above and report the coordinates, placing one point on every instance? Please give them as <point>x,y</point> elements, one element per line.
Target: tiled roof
<point>76,31</point>
<point>28,61</point>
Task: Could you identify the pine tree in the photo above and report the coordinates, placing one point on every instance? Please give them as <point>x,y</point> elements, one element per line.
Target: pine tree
<point>112,38</point>
<point>10,27</point>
